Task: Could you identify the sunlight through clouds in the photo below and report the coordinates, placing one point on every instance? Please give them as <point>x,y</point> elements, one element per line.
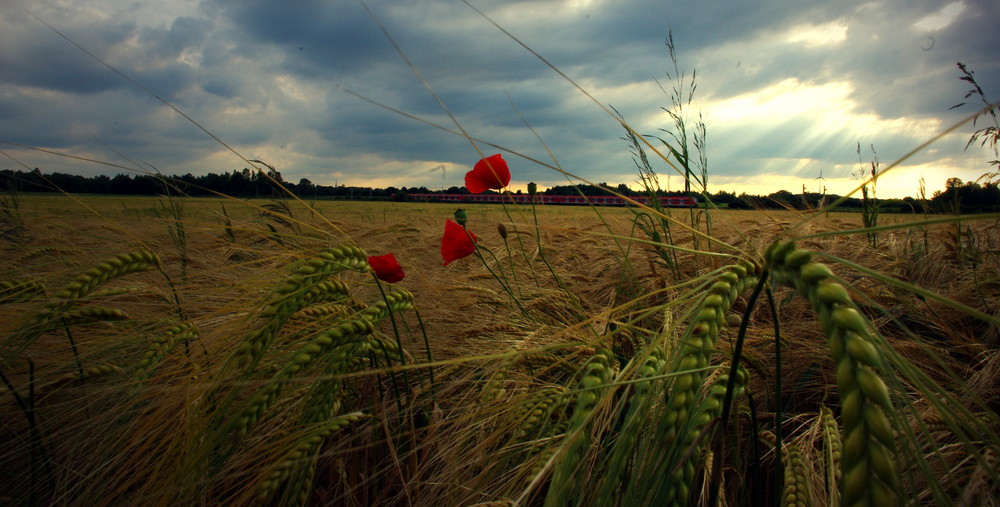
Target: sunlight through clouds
<point>785,88</point>
<point>818,35</point>
<point>942,18</point>
<point>784,100</point>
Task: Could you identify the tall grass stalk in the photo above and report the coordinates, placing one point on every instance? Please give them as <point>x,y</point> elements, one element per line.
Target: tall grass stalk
<point>693,162</point>
<point>869,202</point>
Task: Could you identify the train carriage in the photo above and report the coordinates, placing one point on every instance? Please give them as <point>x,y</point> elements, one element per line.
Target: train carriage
<point>577,200</point>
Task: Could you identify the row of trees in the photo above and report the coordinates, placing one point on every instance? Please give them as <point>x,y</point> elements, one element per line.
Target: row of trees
<point>245,183</point>
<point>958,196</point>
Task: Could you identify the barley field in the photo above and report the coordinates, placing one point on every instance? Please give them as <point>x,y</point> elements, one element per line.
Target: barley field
<point>182,350</point>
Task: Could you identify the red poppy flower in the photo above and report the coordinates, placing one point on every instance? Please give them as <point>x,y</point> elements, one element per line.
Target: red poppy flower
<point>386,268</point>
<point>490,172</point>
<point>456,242</point>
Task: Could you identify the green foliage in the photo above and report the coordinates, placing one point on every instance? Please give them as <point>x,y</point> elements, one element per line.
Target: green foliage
<point>11,222</point>
<point>869,203</point>
<point>988,135</point>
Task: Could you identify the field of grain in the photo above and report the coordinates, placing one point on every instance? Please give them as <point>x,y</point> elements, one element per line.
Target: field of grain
<point>178,350</point>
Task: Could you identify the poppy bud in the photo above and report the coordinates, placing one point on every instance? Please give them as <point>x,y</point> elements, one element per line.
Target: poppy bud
<point>461,217</point>
<point>532,188</point>
<point>502,229</point>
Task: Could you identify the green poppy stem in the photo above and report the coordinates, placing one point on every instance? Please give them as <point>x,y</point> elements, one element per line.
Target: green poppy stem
<point>503,282</point>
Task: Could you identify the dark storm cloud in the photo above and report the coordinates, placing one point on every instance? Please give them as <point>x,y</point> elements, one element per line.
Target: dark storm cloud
<point>39,58</point>
<point>266,78</point>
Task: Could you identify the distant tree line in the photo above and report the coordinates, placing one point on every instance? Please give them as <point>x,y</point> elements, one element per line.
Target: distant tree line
<point>245,183</point>
<point>958,196</point>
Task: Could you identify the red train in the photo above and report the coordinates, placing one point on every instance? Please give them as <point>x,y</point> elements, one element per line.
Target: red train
<point>597,200</point>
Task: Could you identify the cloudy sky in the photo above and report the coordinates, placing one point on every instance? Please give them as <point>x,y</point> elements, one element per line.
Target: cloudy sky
<point>787,89</point>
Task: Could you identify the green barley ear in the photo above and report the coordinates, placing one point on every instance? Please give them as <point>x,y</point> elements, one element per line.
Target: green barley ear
<point>80,287</point>
<point>104,272</point>
<point>302,455</point>
<point>329,291</point>
<point>396,300</point>
<point>868,469</point>
<point>634,423</point>
<point>665,460</point>
<point>321,405</point>
<point>78,377</point>
<point>18,291</point>
<point>692,440</point>
<point>535,411</point>
<point>493,387</point>
<point>80,316</point>
<point>795,491</point>
<point>543,449</point>
<point>831,453</point>
<point>698,344</point>
<point>161,346</point>
<point>89,315</point>
<point>597,375</point>
<point>344,334</point>
<point>307,285</point>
